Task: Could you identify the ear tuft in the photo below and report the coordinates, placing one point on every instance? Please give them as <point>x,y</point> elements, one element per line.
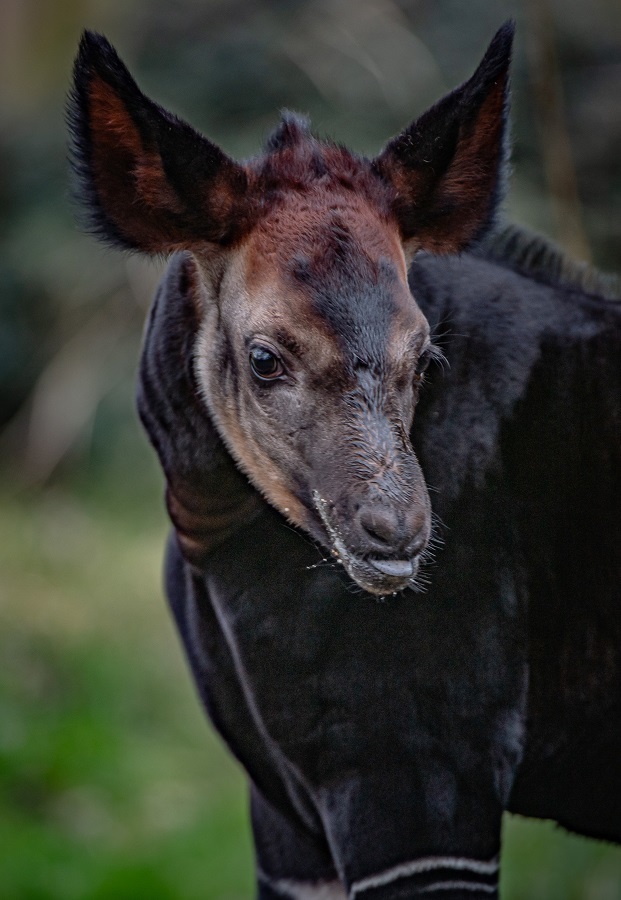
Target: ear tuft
<point>448,167</point>
<point>145,179</point>
<point>95,53</point>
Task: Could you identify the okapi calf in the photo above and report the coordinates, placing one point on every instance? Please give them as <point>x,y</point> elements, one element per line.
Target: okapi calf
<point>282,365</point>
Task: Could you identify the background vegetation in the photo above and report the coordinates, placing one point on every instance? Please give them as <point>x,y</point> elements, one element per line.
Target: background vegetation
<point>111,784</point>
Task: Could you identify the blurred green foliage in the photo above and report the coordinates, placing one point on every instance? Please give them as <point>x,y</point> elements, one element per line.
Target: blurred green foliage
<point>111,784</point>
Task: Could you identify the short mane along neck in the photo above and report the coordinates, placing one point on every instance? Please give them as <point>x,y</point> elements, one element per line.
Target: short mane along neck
<point>540,258</point>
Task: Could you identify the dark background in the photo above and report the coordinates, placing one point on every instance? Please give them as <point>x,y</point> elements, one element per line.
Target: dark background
<point>111,785</point>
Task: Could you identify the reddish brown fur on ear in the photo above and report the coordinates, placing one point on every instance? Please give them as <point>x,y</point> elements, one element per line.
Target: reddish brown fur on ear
<point>147,179</point>
<point>447,168</point>
<point>124,170</point>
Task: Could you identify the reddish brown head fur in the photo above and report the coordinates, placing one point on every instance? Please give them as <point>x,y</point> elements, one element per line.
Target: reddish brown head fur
<point>310,348</point>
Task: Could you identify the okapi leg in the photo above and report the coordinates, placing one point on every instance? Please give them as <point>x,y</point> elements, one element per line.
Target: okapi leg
<point>399,724</point>
<point>291,862</point>
<point>397,844</point>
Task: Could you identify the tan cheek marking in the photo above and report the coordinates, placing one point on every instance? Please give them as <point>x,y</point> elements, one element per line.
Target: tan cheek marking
<point>261,471</point>
<point>251,458</point>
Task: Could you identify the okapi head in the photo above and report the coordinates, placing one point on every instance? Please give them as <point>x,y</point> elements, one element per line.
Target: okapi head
<point>309,350</point>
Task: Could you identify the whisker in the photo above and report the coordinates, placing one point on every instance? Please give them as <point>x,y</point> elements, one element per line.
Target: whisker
<point>322,564</point>
<point>437,356</point>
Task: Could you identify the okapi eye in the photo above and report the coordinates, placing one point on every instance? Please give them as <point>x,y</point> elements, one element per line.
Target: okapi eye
<point>265,364</point>
<point>423,363</point>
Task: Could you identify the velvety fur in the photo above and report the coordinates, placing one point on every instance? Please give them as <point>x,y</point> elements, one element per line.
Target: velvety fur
<point>383,736</point>
<point>378,734</point>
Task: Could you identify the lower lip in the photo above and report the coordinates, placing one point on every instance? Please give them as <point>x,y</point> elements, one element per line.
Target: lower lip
<point>393,568</point>
<point>378,582</point>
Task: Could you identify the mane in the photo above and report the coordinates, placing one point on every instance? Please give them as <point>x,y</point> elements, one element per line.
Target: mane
<point>536,256</point>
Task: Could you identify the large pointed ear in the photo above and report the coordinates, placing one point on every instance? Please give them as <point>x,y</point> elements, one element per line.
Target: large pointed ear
<point>447,168</point>
<point>146,180</point>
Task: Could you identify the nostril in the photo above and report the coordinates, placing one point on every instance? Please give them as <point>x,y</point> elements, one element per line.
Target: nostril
<point>385,531</point>
<point>380,525</point>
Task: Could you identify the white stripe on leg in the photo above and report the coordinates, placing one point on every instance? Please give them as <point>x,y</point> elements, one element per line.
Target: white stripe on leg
<point>305,890</point>
<point>421,866</point>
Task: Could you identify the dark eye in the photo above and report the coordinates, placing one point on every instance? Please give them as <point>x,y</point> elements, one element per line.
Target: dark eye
<point>265,364</point>
<point>423,363</point>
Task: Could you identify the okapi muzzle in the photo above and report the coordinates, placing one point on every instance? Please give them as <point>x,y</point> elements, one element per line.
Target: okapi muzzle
<point>308,349</point>
<point>378,526</point>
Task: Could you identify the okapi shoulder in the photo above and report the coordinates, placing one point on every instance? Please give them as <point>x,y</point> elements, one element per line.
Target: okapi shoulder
<point>494,326</point>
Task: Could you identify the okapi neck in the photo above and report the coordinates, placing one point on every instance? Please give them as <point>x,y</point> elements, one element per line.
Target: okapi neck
<point>206,513</point>
<point>207,497</point>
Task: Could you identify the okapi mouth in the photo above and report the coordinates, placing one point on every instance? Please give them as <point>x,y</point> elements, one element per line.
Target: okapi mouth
<point>375,574</point>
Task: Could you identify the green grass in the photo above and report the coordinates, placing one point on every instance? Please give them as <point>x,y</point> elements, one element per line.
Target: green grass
<point>111,783</point>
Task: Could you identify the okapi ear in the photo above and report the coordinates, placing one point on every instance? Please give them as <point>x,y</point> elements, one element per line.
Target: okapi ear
<point>447,168</point>
<point>146,179</point>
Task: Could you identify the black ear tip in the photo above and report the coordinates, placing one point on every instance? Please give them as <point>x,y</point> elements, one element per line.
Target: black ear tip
<point>96,52</point>
<point>90,38</point>
<point>93,44</point>
<point>497,57</point>
<point>507,30</point>
<point>502,42</point>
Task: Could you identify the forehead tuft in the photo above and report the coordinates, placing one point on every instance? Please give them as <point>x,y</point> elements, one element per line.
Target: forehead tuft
<point>293,129</point>
<point>326,239</point>
<point>294,159</point>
